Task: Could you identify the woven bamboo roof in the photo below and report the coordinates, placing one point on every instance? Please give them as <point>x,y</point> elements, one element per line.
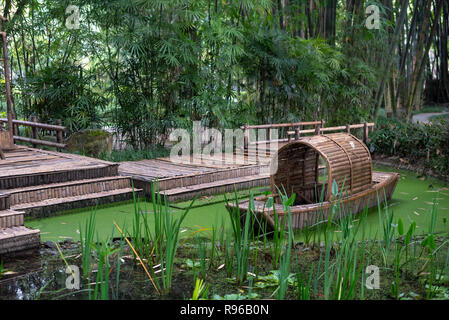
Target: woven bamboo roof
<point>346,159</point>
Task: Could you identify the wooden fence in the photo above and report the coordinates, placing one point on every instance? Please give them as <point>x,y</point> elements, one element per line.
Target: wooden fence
<point>35,126</point>
<point>298,129</point>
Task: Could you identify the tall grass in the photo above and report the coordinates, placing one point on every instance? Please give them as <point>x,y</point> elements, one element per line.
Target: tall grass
<point>104,250</point>
<point>160,243</point>
<point>241,238</point>
<point>172,228</point>
<point>86,240</point>
<point>285,260</point>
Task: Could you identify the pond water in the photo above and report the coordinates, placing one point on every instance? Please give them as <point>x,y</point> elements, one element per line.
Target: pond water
<point>412,201</point>
<point>41,273</point>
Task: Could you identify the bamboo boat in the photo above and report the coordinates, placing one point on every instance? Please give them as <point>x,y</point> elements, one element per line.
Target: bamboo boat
<point>323,171</point>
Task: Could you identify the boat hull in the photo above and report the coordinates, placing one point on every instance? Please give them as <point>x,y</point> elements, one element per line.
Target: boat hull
<point>384,184</point>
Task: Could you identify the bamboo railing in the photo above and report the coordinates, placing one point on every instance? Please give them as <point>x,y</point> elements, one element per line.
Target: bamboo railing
<point>299,130</point>
<point>34,139</point>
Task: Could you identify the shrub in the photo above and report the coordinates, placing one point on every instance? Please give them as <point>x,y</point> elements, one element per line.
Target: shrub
<point>419,143</point>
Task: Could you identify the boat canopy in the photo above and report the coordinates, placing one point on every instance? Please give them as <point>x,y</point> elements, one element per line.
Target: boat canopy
<point>316,168</point>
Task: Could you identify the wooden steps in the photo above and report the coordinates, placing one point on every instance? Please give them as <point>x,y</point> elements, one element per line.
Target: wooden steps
<point>45,200</point>
<point>4,201</point>
<point>216,187</point>
<point>26,167</point>
<point>54,174</point>
<point>14,236</point>
<point>61,190</point>
<point>18,238</point>
<point>38,183</point>
<point>10,218</point>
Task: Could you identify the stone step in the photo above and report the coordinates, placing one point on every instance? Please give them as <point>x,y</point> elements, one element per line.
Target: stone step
<point>21,196</point>
<point>49,207</point>
<point>216,187</point>
<point>184,181</point>
<point>4,201</point>
<point>18,238</point>
<point>55,174</point>
<point>10,218</point>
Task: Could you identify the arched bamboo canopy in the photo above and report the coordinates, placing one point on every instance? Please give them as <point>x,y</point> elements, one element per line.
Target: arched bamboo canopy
<point>298,168</point>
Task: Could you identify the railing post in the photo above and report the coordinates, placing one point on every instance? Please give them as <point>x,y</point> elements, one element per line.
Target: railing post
<point>15,129</point>
<point>297,132</point>
<point>34,130</point>
<point>348,128</point>
<point>317,129</point>
<point>59,137</point>
<point>245,137</point>
<point>365,133</point>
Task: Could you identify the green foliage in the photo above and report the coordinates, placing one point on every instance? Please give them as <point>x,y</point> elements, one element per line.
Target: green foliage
<point>415,142</point>
<point>144,67</point>
<point>63,92</point>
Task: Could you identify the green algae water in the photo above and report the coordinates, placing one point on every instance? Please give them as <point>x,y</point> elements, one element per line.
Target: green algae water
<point>412,200</point>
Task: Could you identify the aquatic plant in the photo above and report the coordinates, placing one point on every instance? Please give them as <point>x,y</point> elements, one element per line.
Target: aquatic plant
<point>104,250</point>
<point>241,238</point>
<point>303,284</point>
<point>172,228</point>
<point>284,263</point>
<point>200,262</point>
<point>200,290</point>
<point>156,287</point>
<point>86,241</point>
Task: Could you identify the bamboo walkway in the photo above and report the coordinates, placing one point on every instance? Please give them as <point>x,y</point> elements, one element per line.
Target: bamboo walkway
<point>196,177</point>
<point>37,183</point>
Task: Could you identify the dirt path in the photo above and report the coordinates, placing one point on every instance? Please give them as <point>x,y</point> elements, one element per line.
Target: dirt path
<point>425,117</point>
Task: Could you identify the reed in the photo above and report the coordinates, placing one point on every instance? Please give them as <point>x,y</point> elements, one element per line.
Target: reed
<point>101,289</point>
<point>285,260</point>
<point>200,290</point>
<point>386,229</point>
<point>86,240</point>
<point>303,285</point>
<point>241,238</point>
<point>150,275</point>
<point>202,257</point>
<point>229,255</point>
<point>118,267</point>
<point>171,231</point>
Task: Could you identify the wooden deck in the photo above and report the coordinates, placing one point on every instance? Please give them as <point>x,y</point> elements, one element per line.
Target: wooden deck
<point>40,183</point>
<point>184,181</point>
<point>25,167</point>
